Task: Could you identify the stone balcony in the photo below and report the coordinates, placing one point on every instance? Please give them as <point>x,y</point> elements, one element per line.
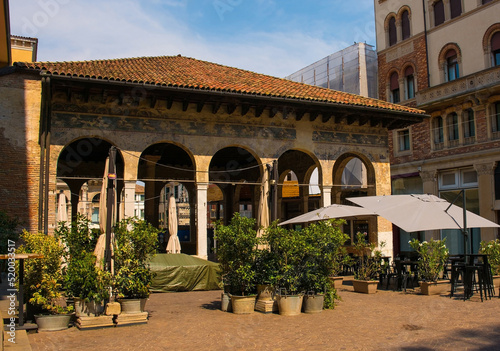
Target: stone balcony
<point>462,86</point>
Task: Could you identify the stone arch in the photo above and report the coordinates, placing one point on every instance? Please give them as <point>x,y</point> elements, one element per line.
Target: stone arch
<point>340,194</point>
<point>80,165</point>
<point>237,171</point>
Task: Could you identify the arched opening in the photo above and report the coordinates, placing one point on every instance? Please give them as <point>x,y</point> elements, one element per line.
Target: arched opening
<point>80,170</point>
<point>295,170</point>
<point>354,176</point>
<point>167,169</point>
<point>235,176</point>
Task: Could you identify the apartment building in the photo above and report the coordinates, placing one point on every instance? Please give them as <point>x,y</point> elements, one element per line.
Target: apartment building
<point>443,56</point>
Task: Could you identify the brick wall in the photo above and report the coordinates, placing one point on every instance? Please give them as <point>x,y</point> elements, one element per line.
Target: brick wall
<point>20,151</point>
<point>417,57</point>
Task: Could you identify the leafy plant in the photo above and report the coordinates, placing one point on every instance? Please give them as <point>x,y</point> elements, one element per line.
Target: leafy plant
<point>432,258</point>
<point>135,242</point>
<point>237,254</point>
<point>43,276</point>
<point>288,251</point>
<point>369,259</point>
<point>8,231</point>
<point>82,278</point>
<point>323,243</point>
<point>492,249</point>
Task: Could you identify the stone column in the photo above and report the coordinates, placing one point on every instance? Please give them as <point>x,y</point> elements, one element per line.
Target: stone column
<point>201,219</point>
<point>129,199</point>
<point>327,196</point>
<point>486,189</point>
<point>429,181</point>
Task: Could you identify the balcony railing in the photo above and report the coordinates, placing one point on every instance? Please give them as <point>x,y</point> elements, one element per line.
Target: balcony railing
<point>464,85</point>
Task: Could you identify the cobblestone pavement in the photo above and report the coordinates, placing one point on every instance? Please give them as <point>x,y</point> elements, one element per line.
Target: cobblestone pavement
<point>386,320</point>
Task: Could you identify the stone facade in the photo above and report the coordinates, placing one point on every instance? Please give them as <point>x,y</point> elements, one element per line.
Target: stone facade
<point>61,128</point>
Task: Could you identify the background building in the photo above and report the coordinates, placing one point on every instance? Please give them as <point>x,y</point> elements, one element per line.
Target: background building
<point>443,57</point>
<point>352,70</point>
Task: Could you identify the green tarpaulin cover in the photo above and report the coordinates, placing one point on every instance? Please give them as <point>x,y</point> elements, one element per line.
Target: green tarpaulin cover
<point>180,272</point>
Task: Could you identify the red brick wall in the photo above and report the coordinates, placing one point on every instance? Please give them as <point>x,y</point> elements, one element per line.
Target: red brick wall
<point>20,151</point>
<point>417,58</point>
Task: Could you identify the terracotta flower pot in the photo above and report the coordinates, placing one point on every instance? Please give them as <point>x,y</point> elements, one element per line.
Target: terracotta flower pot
<point>365,286</point>
<point>434,288</point>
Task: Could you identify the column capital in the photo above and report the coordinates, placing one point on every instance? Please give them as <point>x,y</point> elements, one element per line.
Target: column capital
<point>428,176</point>
<point>485,168</point>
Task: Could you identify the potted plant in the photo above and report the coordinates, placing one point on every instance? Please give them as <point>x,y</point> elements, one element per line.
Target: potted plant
<point>492,249</point>
<point>369,263</point>
<point>237,253</point>
<point>323,242</point>
<point>287,249</point>
<point>135,242</point>
<point>43,279</point>
<point>84,281</point>
<point>432,256</point>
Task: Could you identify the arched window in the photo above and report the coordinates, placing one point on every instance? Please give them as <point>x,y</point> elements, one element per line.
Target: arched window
<point>394,86</point>
<point>409,83</point>
<point>438,130</point>
<point>495,48</point>
<point>456,8</point>
<point>453,126</point>
<point>393,37</point>
<point>438,12</point>
<point>469,125</point>
<point>405,23</point>
<point>452,71</point>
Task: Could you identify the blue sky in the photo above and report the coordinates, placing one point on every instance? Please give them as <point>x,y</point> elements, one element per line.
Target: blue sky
<point>265,36</point>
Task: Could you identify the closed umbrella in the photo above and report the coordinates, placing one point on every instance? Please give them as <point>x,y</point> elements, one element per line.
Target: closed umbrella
<point>263,212</point>
<point>329,212</point>
<point>62,211</point>
<point>414,213</point>
<point>173,245</point>
<point>100,248</point>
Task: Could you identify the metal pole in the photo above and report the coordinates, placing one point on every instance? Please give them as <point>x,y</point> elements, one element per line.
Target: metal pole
<point>110,204</point>
<point>465,224</point>
<point>275,190</point>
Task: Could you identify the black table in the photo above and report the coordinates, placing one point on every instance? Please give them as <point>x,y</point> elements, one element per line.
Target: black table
<point>20,294</point>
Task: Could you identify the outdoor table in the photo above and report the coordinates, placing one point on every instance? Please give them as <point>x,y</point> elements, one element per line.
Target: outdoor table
<point>20,294</point>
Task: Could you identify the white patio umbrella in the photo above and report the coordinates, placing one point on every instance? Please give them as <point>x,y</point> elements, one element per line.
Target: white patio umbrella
<point>414,213</point>
<point>173,245</point>
<point>62,211</point>
<point>330,212</point>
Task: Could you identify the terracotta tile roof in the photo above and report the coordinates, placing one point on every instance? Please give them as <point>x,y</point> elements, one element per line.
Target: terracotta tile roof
<point>179,71</point>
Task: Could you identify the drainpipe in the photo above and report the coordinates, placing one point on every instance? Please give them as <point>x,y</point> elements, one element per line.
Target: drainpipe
<point>426,46</point>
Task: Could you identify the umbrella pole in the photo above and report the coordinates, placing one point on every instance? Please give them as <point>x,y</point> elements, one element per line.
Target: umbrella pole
<point>464,228</point>
<point>111,176</point>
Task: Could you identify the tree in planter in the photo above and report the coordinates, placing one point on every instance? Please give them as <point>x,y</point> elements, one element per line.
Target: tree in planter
<point>433,255</point>
<point>237,253</point>
<point>135,243</point>
<point>369,259</point>
<point>43,277</point>
<point>83,279</point>
<point>323,244</point>
<point>288,250</point>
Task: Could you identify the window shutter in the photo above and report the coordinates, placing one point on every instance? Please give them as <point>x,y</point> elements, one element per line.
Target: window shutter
<point>438,12</point>
<point>393,38</point>
<point>450,53</point>
<point>495,42</point>
<point>408,71</point>
<point>406,25</point>
<point>456,8</point>
<point>394,81</point>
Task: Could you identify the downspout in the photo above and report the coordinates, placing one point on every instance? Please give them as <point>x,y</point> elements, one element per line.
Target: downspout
<point>41,141</point>
<point>426,46</point>
<point>43,199</point>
